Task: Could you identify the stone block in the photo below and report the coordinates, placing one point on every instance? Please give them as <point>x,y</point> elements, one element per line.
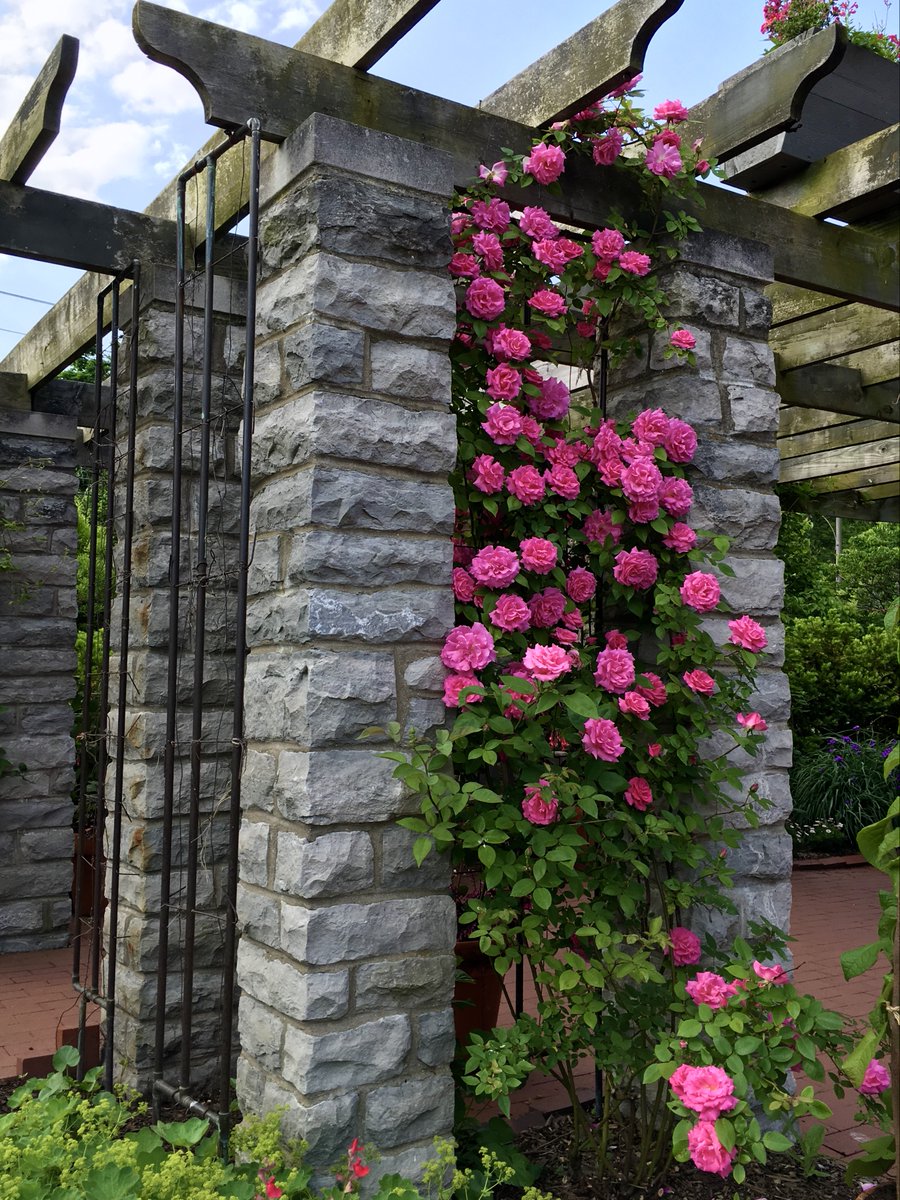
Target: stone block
<point>419,1107</point>
<point>763,853</point>
<point>321,556</point>
<point>771,801</point>
<point>702,354</point>
<point>323,787</point>
<point>416,304</point>
<point>258,780</point>
<point>404,984</point>
<point>260,1031</point>
<point>756,313</point>
<point>253,852</point>
<point>409,371</point>
<point>32,813</point>
<point>729,254</point>
<point>345,932</point>
<point>346,1058</point>
<point>753,410</point>
<point>424,717</point>
<point>773,695</point>
<point>757,586</point>
<point>282,986</point>
<point>320,353</point>
<point>20,918</point>
<point>734,461</point>
<point>331,864</point>
<point>401,614</point>
<point>327,1127</point>
<point>39,845</point>
<point>703,298</point>
<point>398,867</point>
<point>425,674</point>
<point>259,918</point>
<point>316,697</point>
<point>697,401</point>
<point>746,361</point>
<point>751,519</point>
<point>54,878</point>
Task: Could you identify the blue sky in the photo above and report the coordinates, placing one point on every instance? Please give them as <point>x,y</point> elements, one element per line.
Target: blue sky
<point>129,125</point>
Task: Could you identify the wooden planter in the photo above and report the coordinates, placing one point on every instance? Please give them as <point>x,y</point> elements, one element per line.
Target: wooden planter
<point>476,1005</point>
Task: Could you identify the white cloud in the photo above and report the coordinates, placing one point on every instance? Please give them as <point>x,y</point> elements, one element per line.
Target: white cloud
<point>147,87</point>
<point>299,16</point>
<point>107,47</point>
<point>236,14</point>
<point>82,161</point>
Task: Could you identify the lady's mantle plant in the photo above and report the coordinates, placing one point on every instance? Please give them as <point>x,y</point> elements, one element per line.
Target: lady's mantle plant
<point>587,781</point>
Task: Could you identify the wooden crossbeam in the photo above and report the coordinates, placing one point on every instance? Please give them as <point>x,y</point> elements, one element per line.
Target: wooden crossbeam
<point>79,233</point>
<point>36,124</point>
<point>838,437</point>
<point>865,505</point>
<point>877,365</point>
<point>790,303</point>
<point>767,97</point>
<point>858,480</point>
<point>871,456</point>
<point>824,335</point>
<point>832,396</point>
<point>358,33</point>
<point>854,182</point>
<point>607,52</point>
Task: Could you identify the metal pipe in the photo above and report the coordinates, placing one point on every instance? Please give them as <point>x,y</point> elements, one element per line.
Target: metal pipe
<point>179,1096</point>
<point>201,579</point>
<point>237,735</point>
<point>124,636</point>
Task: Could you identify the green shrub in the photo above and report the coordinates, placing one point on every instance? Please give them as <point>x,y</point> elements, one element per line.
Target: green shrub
<point>841,782</point>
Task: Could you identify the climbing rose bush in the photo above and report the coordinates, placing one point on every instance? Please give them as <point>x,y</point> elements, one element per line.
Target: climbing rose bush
<point>591,786</point>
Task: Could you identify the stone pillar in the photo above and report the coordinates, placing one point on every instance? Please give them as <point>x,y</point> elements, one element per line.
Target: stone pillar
<point>146,694</point>
<point>345,961</point>
<point>716,291</point>
<point>37,675</point>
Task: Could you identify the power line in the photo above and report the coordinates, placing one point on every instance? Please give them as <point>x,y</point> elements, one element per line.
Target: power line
<point>17,332</point>
<point>50,303</point>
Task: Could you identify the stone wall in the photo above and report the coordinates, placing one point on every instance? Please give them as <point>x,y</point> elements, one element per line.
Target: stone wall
<point>37,675</point>
<point>345,961</point>
<point>716,291</point>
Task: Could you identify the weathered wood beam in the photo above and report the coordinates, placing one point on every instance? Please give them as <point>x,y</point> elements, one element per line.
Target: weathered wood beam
<point>34,127</point>
<point>790,303</point>
<point>868,457</point>
<point>878,365</point>
<point>853,505</point>
<point>79,233</point>
<point>838,437</point>
<point>767,97</point>
<point>816,397</point>
<point>856,181</point>
<point>358,33</point>
<point>855,481</point>
<point>824,335</point>
<point>607,52</point>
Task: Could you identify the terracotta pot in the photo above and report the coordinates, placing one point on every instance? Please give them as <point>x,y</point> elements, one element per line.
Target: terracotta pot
<point>476,1005</point>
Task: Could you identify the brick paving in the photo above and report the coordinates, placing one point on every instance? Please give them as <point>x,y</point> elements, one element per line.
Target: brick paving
<point>833,910</point>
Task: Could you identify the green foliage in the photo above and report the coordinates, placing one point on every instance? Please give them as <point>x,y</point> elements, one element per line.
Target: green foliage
<point>841,781</point>
<point>868,573</point>
<point>84,368</point>
<point>784,20</point>
<point>806,546</point>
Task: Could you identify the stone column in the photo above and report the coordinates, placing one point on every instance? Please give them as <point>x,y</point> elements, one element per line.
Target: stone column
<point>37,674</point>
<point>345,961</point>
<point>716,291</point>
<point>146,694</point>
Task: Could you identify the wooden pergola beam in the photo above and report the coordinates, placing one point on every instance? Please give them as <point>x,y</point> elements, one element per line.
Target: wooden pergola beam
<point>844,436</point>
<point>857,460</point>
<point>853,506</point>
<point>825,335</point>
<point>819,408</point>
<point>358,33</point>
<point>607,52</point>
<point>35,126</point>
<point>877,365</point>
<point>857,480</point>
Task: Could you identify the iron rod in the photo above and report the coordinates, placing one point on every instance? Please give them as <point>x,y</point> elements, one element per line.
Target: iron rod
<point>201,574</point>
<point>179,1096</point>
<point>240,654</point>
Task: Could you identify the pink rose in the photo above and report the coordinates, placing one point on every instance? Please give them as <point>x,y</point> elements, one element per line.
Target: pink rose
<point>464,264</point>
<point>510,343</point>
<point>685,946</point>
<point>642,480</point>
<point>535,808</point>
<point>607,244</point>
<point>636,568</point>
<point>654,692</point>
<point>654,750</point>
<point>532,430</point>
<point>599,527</point>
<point>488,246</point>
<point>708,988</point>
<point>748,633</point>
<point>563,481</point>
<point>638,794</point>
<point>546,663</point>
<point>680,538</point>
<point>463,585</point>
<point>490,214</point>
<point>535,223</point>
<point>634,263</point>
<point>876,1080</point>
<point>511,613</point>
<point>573,619</point>
<point>454,684</point>
<point>752,722</point>
<point>485,298</point>
<point>700,591</point>
<point>548,302</point>
<point>670,110</point>
<point>553,402</point>
<point>487,474</point>
<point>676,496</point>
<point>468,648</point>
<point>503,382</point>
<point>624,88</point>
<point>615,670</point>
<point>663,159</point>
<point>538,555</point>
<point>503,424</point>
<point>545,162</point>
<point>495,174</point>
<point>699,681</point>
<point>633,704</point>
<point>707,1152</point>
<point>555,252</point>
<point>495,566</point>
<point>601,739</point>
<point>651,426</point>
<point>680,441</point>
<point>547,607</point>
<point>606,149</point>
<point>774,974</point>
<point>615,640</point>
<point>707,1091</point>
<point>581,584</point>
<point>681,339</point>
<point>526,484</point>
<point>565,637</point>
